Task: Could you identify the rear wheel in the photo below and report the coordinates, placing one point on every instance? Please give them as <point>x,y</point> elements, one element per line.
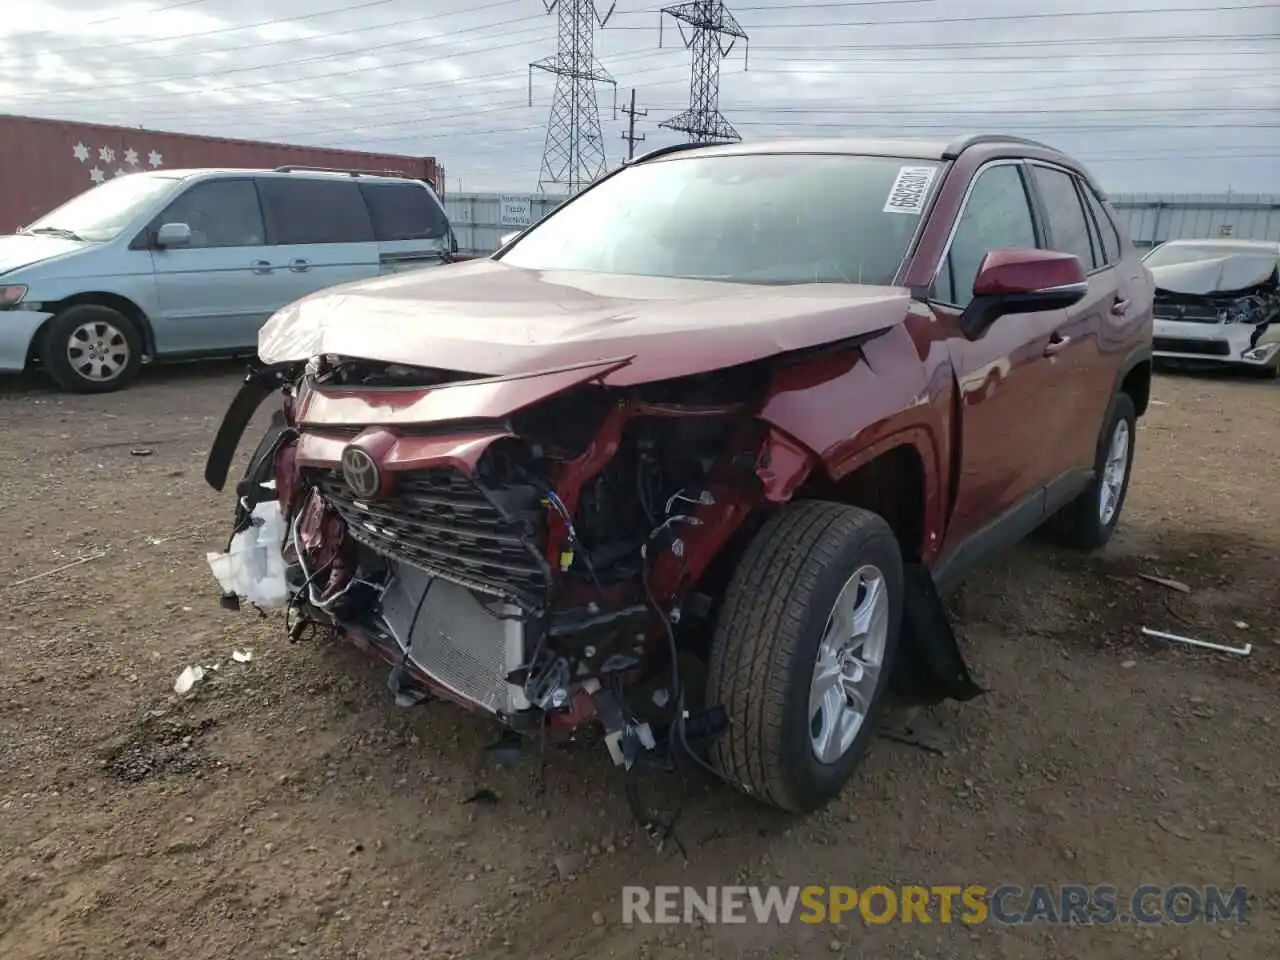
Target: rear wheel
<point>91,349</point>
<point>803,651</point>
<point>1087,522</point>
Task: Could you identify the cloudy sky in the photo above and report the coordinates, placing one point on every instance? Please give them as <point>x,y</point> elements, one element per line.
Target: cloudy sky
<point>1152,94</point>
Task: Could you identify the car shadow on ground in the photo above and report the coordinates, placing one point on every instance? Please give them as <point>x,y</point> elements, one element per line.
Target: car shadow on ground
<point>152,375</point>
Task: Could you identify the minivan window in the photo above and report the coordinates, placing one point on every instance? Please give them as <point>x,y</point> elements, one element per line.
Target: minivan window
<point>100,213</point>
<point>220,213</point>
<point>403,211</point>
<point>787,218</point>
<point>1068,229</point>
<point>996,215</point>
<point>312,210</point>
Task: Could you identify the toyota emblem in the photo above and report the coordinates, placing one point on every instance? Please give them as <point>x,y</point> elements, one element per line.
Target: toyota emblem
<point>361,472</point>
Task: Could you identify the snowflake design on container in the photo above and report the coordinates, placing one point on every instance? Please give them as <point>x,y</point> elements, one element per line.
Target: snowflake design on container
<point>106,154</point>
<point>80,152</point>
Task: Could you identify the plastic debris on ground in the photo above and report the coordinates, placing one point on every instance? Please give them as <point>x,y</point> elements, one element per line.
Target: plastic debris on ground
<point>187,679</point>
<point>253,568</point>
<point>1221,648</point>
<point>241,656</point>
<point>1166,582</point>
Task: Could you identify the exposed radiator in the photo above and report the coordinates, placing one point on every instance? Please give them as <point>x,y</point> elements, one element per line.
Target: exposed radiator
<point>464,643</point>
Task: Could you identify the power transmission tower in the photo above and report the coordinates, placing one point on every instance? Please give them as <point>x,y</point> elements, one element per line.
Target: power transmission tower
<point>710,23</point>
<point>631,136</point>
<point>573,154</point>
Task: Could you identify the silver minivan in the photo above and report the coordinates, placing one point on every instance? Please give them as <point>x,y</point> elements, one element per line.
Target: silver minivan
<point>183,264</point>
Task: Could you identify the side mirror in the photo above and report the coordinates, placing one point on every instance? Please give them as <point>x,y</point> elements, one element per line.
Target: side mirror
<point>1022,280</point>
<point>173,235</point>
<point>508,237</point>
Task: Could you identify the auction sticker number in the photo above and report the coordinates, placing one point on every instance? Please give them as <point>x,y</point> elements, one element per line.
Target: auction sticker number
<point>909,189</point>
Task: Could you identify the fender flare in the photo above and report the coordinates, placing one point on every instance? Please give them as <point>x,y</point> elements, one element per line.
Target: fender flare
<point>1135,357</point>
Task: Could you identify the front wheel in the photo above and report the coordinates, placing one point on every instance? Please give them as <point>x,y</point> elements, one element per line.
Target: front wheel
<point>1087,522</point>
<point>803,650</point>
<point>91,349</point>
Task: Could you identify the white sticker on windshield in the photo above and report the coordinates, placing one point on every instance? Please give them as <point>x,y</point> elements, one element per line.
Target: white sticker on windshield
<point>909,190</point>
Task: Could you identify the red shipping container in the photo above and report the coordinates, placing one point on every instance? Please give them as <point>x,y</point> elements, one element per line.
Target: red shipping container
<point>45,162</point>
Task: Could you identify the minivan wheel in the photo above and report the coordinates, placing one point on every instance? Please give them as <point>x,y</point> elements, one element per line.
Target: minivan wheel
<point>802,652</point>
<point>91,349</point>
<point>1087,522</point>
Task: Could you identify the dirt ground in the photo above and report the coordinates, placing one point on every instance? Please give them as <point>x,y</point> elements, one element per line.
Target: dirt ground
<point>288,808</point>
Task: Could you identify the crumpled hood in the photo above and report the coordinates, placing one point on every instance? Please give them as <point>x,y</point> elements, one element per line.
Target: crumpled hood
<point>1228,273</point>
<point>486,318</point>
<point>22,250</point>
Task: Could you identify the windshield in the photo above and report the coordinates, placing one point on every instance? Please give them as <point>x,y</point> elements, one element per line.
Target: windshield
<point>1169,254</point>
<point>101,213</point>
<point>773,219</point>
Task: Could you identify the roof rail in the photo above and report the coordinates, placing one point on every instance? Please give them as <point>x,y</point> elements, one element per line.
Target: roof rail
<point>669,148</point>
<point>957,147</point>
<point>349,172</point>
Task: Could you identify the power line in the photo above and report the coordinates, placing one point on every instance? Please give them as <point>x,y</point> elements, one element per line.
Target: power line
<point>1180,74</point>
<point>884,107</point>
<point>292,104</point>
<point>128,16</point>
<point>297,18</point>
<point>916,48</point>
<point>987,18</point>
<point>329,57</point>
<point>885,102</point>
<point>1014,44</point>
<point>293,41</point>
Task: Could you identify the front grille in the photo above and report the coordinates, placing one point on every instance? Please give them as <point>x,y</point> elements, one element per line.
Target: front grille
<point>1204,348</point>
<point>1187,313</point>
<point>442,522</point>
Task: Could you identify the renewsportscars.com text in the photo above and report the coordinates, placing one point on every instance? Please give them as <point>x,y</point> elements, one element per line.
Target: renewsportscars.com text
<point>1007,904</point>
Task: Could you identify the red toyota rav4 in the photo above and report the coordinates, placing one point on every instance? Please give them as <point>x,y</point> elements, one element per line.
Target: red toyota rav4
<point>686,465</point>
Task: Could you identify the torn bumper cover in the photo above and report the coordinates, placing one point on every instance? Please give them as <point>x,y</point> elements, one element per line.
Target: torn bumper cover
<point>1222,310</point>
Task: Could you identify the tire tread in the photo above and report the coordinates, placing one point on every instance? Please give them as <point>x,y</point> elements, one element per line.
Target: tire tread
<point>760,627</point>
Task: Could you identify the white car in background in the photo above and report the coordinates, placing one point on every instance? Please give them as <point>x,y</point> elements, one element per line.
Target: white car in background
<point>1218,302</point>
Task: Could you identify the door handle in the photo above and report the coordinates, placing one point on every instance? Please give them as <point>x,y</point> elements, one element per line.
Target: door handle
<point>1056,344</point>
<point>1119,307</point>
<point>298,265</point>
<point>260,266</point>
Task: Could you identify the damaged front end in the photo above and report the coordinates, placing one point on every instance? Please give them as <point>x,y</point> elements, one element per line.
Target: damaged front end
<point>1220,309</point>
<point>533,547</point>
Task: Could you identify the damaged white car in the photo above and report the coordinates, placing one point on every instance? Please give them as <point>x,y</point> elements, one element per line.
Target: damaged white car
<point>1218,301</point>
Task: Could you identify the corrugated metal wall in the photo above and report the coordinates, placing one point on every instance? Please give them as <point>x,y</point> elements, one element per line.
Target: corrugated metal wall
<point>481,219</point>
<point>1153,218</point>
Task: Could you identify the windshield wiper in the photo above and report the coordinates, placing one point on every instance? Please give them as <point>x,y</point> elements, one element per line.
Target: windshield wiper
<point>56,232</point>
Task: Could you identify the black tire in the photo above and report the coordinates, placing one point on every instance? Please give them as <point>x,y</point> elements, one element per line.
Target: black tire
<point>119,334</point>
<point>1079,525</point>
<point>765,648</point>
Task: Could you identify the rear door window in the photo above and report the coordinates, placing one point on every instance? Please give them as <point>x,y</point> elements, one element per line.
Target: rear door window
<point>1068,227</point>
<point>1106,229</point>
<point>305,211</point>
<point>995,215</point>
<point>403,211</point>
<point>220,213</point>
